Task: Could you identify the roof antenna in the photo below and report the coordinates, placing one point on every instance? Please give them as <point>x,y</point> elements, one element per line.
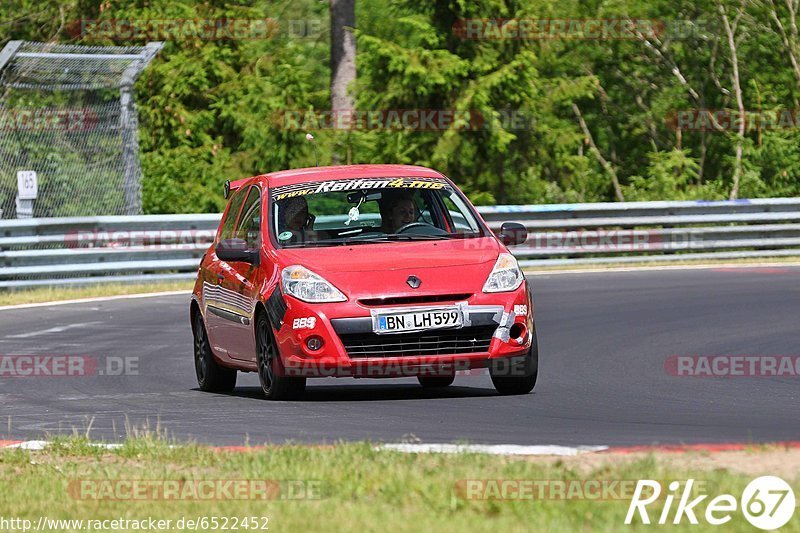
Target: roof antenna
<point>310,138</point>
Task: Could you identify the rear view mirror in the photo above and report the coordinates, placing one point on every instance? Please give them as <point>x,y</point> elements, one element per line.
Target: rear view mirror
<point>236,250</point>
<point>361,196</point>
<point>512,233</point>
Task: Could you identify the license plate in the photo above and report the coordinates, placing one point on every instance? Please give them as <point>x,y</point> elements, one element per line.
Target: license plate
<point>398,322</point>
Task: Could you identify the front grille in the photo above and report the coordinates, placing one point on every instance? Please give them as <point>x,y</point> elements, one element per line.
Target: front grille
<point>410,300</point>
<point>444,342</point>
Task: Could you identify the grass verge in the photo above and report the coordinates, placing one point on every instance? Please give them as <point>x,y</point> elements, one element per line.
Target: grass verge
<point>353,488</point>
<point>756,262</point>
<point>56,293</point>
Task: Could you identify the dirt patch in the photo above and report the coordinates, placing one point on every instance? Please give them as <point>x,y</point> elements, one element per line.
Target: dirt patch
<point>783,462</point>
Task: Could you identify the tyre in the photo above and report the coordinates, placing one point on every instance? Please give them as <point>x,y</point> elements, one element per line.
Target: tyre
<point>274,383</point>
<point>211,376</point>
<point>519,378</point>
<point>435,382</point>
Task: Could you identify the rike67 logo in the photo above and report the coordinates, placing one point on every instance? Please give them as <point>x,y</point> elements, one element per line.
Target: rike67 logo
<point>767,502</point>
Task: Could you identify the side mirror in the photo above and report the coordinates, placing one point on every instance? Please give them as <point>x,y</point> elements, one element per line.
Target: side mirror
<point>512,233</point>
<point>236,250</point>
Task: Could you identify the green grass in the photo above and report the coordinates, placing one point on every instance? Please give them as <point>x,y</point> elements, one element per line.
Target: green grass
<point>56,293</point>
<point>361,489</point>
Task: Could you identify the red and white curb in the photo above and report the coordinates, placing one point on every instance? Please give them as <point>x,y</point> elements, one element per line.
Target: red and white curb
<point>489,449</point>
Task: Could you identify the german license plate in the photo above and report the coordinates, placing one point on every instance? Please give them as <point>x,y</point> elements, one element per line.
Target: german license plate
<point>398,322</point>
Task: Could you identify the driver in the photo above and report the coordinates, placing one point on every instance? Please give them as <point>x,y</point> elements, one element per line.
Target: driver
<point>397,212</point>
<point>293,216</point>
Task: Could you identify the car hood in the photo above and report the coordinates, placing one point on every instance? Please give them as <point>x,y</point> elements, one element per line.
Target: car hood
<point>382,269</point>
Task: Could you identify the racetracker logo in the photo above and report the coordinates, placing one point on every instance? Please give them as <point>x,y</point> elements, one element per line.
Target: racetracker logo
<point>430,367</point>
<point>549,489</point>
<point>48,366</point>
<point>43,119</point>
<point>404,120</point>
<point>727,120</point>
<point>226,29</point>
<point>767,502</point>
<point>194,489</point>
<point>613,240</point>
<point>569,29</point>
<point>733,366</point>
<point>141,239</point>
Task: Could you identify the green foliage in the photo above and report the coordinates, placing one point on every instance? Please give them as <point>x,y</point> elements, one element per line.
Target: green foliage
<point>668,176</point>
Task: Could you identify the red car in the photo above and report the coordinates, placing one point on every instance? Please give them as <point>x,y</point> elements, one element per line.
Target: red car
<point>362,271</point>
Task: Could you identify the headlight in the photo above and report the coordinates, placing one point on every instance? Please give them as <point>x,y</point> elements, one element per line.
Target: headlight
<point>506,275</point>
<point>305,285</point>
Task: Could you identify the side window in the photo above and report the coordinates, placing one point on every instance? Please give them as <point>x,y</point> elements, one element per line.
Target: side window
<point>226,230</point>
<point>249,226</point>
<point>461,223</point>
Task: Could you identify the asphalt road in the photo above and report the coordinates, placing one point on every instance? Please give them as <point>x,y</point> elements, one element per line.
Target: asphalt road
<point>604,341</point>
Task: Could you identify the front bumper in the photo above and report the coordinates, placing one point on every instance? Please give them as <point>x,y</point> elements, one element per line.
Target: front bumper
<point>496,326</point>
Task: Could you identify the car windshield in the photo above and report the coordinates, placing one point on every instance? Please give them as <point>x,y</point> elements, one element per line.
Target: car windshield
<point>365,211</point>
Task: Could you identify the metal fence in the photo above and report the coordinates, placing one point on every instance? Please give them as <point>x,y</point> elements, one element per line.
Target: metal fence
<point>69,124</point>
<point>57,251</point>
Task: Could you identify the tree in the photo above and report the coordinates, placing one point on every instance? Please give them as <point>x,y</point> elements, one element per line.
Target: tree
<point>343,53</point>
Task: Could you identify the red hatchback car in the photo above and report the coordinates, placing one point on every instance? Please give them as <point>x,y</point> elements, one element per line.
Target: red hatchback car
<point>360,271</point>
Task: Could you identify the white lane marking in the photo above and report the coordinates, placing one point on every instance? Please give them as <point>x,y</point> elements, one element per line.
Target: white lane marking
<point>493,449</point>
<point>39,445</point>
<point>96,299</point>
<point>35,445</point>
<point>530,271</point>
<point>57,329</point>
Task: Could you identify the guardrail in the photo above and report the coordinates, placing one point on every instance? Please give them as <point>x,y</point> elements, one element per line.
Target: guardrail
<point>55,251</point>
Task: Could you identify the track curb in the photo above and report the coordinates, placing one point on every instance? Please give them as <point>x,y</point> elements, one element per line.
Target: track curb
<point>489,449</point>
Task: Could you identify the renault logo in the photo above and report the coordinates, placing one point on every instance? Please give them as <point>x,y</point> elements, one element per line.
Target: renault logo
<point>414,282</point>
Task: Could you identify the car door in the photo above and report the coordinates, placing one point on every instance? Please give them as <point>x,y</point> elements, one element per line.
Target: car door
<point>213,295</point>
<point>239,285</point>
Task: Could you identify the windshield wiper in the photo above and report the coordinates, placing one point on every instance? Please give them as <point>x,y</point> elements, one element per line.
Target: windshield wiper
<point>415,237</point>
<point>394,237</point>
<point>347,241</point>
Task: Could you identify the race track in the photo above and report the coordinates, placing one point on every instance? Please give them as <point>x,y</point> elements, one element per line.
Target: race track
<point>604,341</point>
